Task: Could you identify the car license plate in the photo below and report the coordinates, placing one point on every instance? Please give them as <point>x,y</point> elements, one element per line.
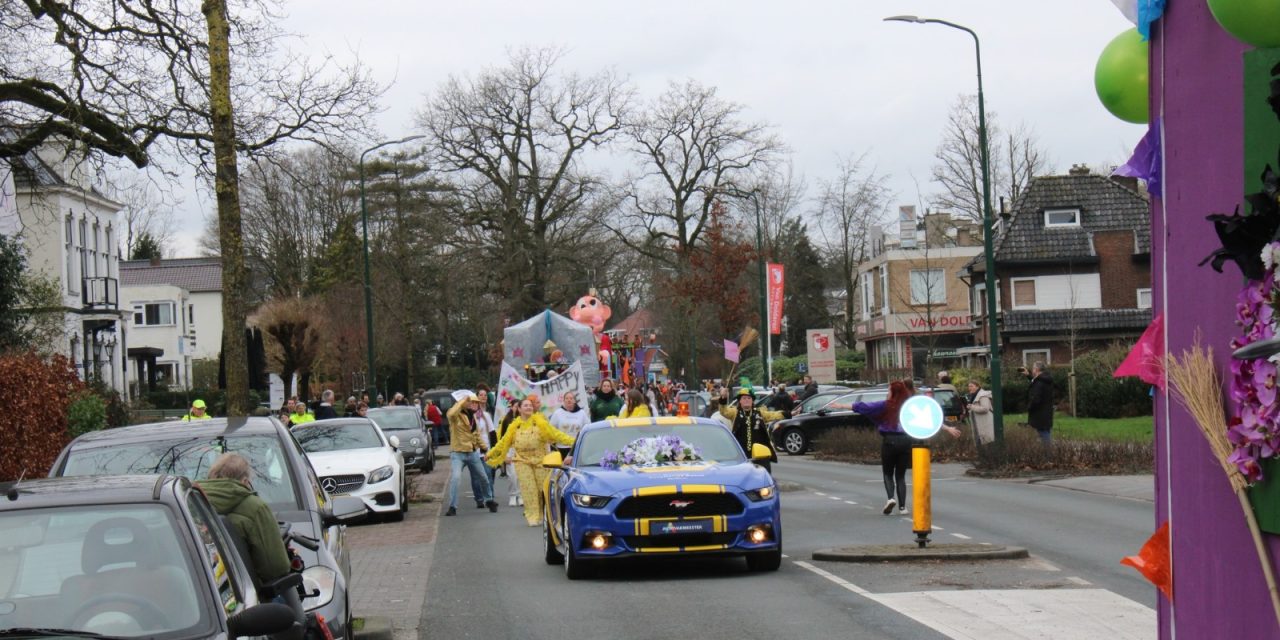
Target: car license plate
<point>673,527</point>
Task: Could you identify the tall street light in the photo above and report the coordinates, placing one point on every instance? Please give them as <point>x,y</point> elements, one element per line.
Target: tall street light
<point>368,286</point>
<point>997,391</point>
<point>766,344</point>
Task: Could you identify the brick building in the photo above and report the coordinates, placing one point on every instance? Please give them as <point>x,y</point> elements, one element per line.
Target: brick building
<point>1073,262</point>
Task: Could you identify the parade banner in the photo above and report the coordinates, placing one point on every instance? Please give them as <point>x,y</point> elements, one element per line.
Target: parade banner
<point>514,387</point>
<point>775,298</point>
<point>822,354</point>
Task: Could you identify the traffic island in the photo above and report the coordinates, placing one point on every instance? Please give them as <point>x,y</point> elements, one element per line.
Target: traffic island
<point>911,552</point>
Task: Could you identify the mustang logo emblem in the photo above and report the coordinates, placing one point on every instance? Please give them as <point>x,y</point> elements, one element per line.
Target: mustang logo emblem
<point>680,504</point>
<point>329,485</point>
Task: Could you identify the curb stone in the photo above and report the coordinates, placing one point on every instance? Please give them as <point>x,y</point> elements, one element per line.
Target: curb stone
<point>912,553</point>
<point>375,628</point>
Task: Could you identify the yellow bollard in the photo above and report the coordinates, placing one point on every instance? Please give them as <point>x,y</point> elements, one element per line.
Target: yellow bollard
<point>922,494</point>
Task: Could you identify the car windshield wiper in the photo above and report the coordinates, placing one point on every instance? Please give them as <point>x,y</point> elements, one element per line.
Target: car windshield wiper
<point>45,632</point>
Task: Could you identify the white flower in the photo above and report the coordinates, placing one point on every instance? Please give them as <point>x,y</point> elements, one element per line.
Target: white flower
<point>1271,255</point>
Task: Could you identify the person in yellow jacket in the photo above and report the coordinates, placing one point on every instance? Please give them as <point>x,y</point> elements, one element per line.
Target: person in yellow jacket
<point>636,406</point>
<point>466,445</point>
<point>198,411</point>
<point>529,434</point>
<point>300,415</point>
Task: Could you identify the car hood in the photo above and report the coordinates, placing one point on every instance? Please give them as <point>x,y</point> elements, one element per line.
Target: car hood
<point>600,481</point>
<point>349,461</point>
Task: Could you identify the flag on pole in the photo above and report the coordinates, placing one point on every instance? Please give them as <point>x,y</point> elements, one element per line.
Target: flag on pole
<point>775,271</point>
<point>730,351</point>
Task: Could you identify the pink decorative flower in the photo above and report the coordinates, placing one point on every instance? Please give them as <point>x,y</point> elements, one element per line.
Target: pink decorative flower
<point>1254,429</point>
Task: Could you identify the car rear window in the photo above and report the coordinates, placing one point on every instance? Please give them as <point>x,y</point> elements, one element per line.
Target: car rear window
<point>395,419</point>
<point>191,457</point>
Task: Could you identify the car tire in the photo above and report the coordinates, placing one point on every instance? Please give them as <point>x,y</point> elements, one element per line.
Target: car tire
<point>574,567</point>
<point>404,496</point>
<point>398,514</point>
<point>794,441</point>
<point>767,561</point>
<point>550,553</point>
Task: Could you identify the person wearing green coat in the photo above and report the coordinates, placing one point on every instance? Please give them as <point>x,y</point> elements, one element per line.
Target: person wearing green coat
<point>229,490</point>
<point>605,402</point>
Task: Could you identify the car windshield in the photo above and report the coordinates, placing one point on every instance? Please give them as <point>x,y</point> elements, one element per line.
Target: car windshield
<point>712,441</point>
<point>395,419</point>
<point>316,437</point>
<point>817,401</point>
<point>117,570</point>
<point>191,457</point>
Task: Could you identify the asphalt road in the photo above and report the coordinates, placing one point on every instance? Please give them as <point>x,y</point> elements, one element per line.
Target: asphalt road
<point>488,579</point>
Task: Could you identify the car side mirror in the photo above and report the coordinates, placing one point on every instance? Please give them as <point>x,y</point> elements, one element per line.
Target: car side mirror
<point>821,412</point>
<point>761,452</point>
<point>266,619</point>
<point>395,442</point>
<point>342,509</point>
<point>553,460</point>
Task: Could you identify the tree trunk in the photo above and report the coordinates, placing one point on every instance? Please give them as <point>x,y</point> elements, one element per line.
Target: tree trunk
<point>227,188</point>
<point>408,358</point>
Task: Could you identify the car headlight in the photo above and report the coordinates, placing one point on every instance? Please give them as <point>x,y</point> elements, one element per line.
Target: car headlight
<point>414,442</point>
<point>761,494</point>
<point>590,501</point>
<point>380,474</point>
<point>321,579</point>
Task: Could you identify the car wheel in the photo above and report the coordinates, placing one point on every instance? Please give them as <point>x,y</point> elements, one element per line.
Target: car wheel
<point>398,514</point>
<point>767,561</point>
<point>574,567</point>
<point>550,553</point>
<point>404,497</point>
<point>794,442</point>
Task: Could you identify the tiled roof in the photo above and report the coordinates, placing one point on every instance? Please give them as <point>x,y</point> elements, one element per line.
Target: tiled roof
<point>193,274</point>
<point>1084,320</point>
<point>1105,205</point>
<point>641,320</point>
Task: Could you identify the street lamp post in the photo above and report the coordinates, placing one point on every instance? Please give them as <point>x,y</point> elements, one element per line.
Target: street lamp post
<point>766,344</point>
<point>997,391</point>
<point>368,285</point>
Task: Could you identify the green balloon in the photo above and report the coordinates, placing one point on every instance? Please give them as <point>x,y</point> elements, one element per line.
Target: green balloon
<point>1121,77</point>
<point>1256,22</point>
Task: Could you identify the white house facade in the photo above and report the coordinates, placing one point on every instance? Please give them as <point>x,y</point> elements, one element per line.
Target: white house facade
<point>175,309</point>
<point>71,234</point>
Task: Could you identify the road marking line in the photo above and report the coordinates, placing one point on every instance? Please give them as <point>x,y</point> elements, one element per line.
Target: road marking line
<point>837,498</point>
<point>834,578</point>
<point>1036,562</point>
<point>820,493</point>
<point>1078,580</point>
<point>961,536</point>
<point>852,502</point>
<point>937,528</point>
<point>785,555</point>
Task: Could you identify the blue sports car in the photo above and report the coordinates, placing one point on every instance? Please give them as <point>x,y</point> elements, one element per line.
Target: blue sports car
<point>661,487</point>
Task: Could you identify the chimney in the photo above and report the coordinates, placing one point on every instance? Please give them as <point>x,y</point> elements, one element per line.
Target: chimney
<point>1079,170</point>
<point>155,261</point>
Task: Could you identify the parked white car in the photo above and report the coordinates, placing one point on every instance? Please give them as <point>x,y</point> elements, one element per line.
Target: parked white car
<point>353,457</point>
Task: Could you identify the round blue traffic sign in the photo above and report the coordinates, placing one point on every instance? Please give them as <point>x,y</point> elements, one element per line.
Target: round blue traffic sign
<point>921,417</point>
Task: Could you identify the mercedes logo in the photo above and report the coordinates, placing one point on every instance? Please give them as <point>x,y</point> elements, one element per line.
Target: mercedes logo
<point>329,485</point>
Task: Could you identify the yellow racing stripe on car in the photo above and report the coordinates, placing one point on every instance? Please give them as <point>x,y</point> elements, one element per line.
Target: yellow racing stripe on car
<point>707,547</point>
<point>701,488</point>
<point>659,550</point>
<point>673,420</point>
<point>654,491</point>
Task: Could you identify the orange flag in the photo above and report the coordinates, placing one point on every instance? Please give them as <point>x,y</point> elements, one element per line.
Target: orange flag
<point>1154,561</point>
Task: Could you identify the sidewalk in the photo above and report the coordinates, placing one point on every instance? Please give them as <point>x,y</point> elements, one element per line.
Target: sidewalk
<point>1141,487</point>
<point>390,561</point>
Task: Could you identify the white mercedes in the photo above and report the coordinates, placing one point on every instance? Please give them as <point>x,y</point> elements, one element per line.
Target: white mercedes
<point>354,458</point>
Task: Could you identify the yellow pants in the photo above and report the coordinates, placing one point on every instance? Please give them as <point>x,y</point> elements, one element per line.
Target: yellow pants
<point>531,478</point>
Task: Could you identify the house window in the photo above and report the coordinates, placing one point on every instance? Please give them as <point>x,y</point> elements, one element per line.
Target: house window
<point>110,254</point>
<point>1144,298</point>
<point>928,286</point>
<point>165,372</point>
<point>1061,217</point>
<point>191,314</point>
<point>153,314</point>
<point>1032,356</point>
<point>83,248</point>
<point>97,250</point>
<point>884,289</point>
<point>70,251</point>
<point>1024,293</point>
<point>866,295</point>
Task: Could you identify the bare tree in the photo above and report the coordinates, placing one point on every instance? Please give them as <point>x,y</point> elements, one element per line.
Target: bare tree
<point>294,326</point>
<point>849,206</point>
<point>514,137</point>
<point>1015,158</point>
<point>147,211</point>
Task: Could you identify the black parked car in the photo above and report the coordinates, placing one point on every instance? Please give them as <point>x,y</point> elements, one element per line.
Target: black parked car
<point>127,556</point>
<point>283,478</point>
<point>407,424</point>
<point>798,434</point>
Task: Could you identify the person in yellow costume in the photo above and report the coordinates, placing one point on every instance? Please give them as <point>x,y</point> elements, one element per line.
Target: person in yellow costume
<point>749,422</point>
<point>636,406</point>
<point>528,435</point>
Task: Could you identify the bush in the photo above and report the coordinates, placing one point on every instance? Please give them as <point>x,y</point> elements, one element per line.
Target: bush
<point>87,412</point>
<point>216,399</point>
<point>1100,395</point>
<point>118,414</point>
<point>34,394</point>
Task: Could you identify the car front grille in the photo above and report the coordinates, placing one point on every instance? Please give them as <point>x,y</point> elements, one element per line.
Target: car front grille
<point>665,505</point>
<point>680,540</point>
<point>342,484</point>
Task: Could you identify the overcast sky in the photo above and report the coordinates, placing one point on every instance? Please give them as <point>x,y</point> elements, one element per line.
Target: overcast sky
<point>828,74</point>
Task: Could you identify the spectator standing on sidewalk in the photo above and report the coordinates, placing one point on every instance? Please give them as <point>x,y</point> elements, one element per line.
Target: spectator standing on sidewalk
<point>810,388</point>
<point>980,414</point>
<point>326,411</point>
<point>1040,405</point>
<point>300,415</point>
<point>465,449</point>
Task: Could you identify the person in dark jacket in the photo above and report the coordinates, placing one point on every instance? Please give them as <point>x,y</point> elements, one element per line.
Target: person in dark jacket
<point>749,422</point>
<point>895,444</point>
<point>1040,402</point>
<point>326,411</point>
<point>605,402</point>
<point>782,401</point>
<point>810,389</point>
<point>231,493</point>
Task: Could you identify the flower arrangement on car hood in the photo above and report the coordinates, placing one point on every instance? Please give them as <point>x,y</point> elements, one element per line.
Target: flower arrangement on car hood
<point>652,450</point>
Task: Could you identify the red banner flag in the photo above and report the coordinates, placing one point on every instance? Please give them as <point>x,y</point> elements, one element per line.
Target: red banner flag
<point>775,274</point>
